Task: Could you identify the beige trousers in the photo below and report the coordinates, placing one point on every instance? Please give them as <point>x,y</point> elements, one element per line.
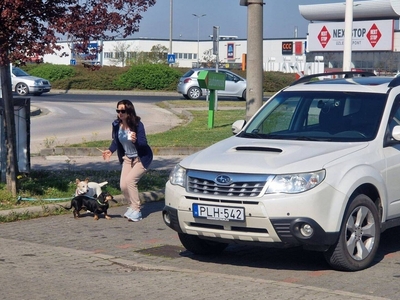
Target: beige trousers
<point>131,173</point>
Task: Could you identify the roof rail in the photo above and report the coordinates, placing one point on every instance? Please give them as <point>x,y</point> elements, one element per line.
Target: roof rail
<point>347,74</point>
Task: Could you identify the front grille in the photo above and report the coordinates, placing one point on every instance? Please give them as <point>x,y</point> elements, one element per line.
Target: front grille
<point>240,185</point>
<point>225,201</point>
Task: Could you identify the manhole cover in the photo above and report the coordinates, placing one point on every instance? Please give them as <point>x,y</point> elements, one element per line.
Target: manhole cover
<point>164,251</point>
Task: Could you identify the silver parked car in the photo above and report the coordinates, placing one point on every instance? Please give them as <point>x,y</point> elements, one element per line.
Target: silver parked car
<point>235,86</point>
<point>24,84</point>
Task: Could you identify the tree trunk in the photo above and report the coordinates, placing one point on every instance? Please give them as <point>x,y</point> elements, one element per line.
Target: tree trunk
<point>9,126</point>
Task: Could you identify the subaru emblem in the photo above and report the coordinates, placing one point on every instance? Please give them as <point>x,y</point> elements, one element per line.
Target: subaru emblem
<point>223,179</point>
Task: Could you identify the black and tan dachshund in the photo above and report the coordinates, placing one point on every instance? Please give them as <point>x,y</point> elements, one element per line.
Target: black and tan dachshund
<point>97,205</point>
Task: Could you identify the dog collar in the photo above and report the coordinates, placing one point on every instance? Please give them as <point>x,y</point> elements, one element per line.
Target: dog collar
<point>101,203</point>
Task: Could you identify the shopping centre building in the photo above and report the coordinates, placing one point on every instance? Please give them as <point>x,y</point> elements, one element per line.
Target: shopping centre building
<point>375,43</point>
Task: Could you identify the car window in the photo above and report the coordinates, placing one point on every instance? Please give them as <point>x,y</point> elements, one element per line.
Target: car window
<point>333,116</point>
<point>18,72</point>
<point>394,120</point>
<point>188,73</point>
<point>229,77</point>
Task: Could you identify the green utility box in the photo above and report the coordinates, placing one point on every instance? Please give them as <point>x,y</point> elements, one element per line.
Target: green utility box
<point>212,81</point>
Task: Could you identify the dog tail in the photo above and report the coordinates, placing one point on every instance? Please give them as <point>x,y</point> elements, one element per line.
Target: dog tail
<point>103,183</point>
<point>65,207</point>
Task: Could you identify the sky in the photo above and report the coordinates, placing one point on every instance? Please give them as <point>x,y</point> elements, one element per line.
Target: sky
<point>280,19</point>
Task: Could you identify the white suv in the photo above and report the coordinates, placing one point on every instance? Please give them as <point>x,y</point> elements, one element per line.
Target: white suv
<point>317,166</point>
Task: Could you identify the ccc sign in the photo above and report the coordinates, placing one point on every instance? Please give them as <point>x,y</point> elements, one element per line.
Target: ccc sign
<point>287,48</point>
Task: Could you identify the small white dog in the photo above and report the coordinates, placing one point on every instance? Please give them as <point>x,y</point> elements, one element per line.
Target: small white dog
<point>90,189</point>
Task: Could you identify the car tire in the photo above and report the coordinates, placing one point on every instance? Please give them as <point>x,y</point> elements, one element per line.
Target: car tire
<point>243,96</point>
<point>194,93</point>
<point>199,246</point>
<point>358,238</point>
<point>21,89</point>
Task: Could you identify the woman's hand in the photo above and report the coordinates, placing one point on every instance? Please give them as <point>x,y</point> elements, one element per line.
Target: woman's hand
<point>133,136</point>
<point>106,155</point>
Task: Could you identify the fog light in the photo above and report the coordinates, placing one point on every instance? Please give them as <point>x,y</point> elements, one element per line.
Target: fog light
<point>306,230</point>
<point>167,220</point>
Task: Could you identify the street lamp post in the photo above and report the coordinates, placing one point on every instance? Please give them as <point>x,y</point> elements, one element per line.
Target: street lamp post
<point>348,33</point>
<point>198,37</point>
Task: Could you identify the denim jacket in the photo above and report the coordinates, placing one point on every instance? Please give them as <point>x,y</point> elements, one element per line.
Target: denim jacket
<point>144,151</point>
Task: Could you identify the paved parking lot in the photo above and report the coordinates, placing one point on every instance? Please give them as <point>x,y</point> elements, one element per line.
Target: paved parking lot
<point>60,257</point>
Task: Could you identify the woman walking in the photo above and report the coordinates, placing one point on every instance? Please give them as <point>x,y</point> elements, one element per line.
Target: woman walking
<point>134,154</point>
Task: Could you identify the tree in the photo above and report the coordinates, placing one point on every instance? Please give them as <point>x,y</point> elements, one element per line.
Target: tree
<point>31,28</point>
<point>121,54</point>
<point>158,54</point>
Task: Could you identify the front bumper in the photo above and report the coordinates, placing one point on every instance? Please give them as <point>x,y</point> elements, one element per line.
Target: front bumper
<point>272,220</point>
<point>39,89</point>
<point>288,231</point>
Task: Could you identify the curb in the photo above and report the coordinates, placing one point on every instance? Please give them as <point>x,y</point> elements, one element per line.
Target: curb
<point>35,111</point>
<point>93,151</point>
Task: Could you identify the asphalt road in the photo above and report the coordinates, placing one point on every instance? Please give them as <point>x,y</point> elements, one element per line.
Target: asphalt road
<point>59,257</point>
<point>76,118</point>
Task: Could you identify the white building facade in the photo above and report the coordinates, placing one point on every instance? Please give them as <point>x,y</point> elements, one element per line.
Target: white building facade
<point>376,44</point>
<point>286,55</point>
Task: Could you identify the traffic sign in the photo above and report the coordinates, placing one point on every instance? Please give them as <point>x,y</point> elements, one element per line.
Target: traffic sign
<point>171,58</point>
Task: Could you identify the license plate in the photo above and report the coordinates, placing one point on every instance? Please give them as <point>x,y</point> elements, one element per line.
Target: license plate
<point>221,213</point>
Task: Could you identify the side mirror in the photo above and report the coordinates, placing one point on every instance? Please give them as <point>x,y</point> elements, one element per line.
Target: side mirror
<point>396,133</point>
<point>238,125</point>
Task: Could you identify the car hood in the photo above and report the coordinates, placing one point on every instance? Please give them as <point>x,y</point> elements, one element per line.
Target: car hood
<point>28,78</point>
<point>242,155</point>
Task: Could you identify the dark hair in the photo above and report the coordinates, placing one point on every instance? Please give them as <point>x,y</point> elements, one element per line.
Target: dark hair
<point>133,119</point>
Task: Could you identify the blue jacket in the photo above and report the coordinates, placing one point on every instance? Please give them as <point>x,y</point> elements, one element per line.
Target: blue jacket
<point>144,151</point>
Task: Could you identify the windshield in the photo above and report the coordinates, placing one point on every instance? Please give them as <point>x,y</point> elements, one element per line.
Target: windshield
<point>18,72</point>
<point>320,116</point>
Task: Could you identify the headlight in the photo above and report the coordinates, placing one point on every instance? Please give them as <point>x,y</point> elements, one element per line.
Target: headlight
<point>295,183</point>
<point>178,176</point>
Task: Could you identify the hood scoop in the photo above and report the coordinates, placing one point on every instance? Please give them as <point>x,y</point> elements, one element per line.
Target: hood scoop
<point>258,149</point>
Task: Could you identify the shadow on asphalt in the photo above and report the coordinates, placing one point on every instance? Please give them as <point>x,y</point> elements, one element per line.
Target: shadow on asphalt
<point>271,258</point>
<point>289,259</point>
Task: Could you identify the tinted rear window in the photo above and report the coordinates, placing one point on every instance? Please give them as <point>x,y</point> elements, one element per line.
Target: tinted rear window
<point>188,73</point>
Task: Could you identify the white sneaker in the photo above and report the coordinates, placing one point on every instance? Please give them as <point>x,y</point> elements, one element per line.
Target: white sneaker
<point>128,212</point>
<point>135,216</point>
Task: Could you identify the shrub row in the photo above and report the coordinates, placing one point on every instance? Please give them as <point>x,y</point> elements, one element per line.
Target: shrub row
<point>137,77</point>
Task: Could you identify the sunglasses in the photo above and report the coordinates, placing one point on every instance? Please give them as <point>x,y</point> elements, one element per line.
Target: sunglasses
<point>122,111</point>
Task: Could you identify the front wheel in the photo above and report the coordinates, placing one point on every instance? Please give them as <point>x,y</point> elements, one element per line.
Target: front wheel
<point>198,246</point>
<point>22,89</point>
<point>359,237</point>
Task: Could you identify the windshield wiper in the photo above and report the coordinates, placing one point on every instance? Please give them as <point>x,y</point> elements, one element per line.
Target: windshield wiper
<point>307,138</point>
<point>251,135</point>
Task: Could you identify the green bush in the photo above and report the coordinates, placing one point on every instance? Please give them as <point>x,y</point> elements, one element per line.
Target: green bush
<point>149,77</point>
<point>51,72</point>
<point>88,79</point>
<point>274,81</point>
<point>138,77</point>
